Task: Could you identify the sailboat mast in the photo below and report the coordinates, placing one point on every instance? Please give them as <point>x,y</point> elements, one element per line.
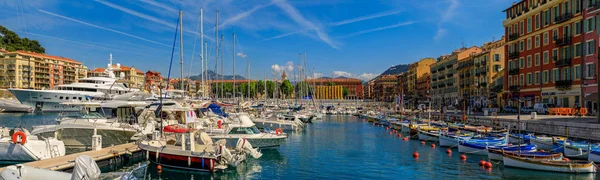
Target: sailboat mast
<point>233,55</point>
<point>181,49</point>
<point>202,53</point>
<point>217,54</point>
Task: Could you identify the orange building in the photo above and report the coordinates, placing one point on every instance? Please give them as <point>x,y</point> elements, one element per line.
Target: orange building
<point>129,73</point>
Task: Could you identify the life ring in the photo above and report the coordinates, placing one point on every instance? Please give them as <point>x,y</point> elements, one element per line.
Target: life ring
<point>278,131</point>
<point>16,135</point>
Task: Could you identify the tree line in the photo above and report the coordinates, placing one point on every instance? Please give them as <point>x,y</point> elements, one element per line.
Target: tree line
<point>10,41</point>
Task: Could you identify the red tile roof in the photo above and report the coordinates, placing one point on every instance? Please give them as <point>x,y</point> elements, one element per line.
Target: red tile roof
<point>47,56</point>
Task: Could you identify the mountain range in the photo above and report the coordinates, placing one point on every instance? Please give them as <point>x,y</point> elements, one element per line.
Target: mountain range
<point>213,75</point>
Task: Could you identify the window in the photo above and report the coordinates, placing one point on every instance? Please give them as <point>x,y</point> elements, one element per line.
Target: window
<point>521,80</point>
<point>577,27</point>
<point>556,75</point>
<point>61,98</point>
<point>545,77</point>
<point>521,28</point>
<point>497,57</point>
<point>589,24</point>
<point>528,61</point>
<point>521,63</point>
<point>577,72</point>
<point>529,24</point>
<point>529,44</point>
<point>536,78</point>
<point>547,19</point>
<point>537,41</point>
<point>555,34</point>
<point>537,21</point>
<point>577,50</point>
<point>590,47</point>
<point>537,59</point>
<point>554,54</point>
<point>521,46</point>
<point>509,80</point>
<point>528,78</point>
<point>566,73</point>
<point>545,57</point>
<point>497,68</point>
<point>545,38</point>
<point>590,70</point>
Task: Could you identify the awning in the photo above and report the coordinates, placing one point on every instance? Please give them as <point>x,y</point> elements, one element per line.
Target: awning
<point>591,97</point>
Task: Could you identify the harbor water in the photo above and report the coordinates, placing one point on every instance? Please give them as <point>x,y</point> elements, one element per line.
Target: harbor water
<point>339,147</point>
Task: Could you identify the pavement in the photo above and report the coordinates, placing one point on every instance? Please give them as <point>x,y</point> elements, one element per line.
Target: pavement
<point>526,117</point>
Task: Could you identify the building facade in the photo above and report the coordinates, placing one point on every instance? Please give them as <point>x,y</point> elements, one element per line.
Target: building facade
<point>153,80</point>
<point>545,52</point>
<point>384,88</point>
<point>329,92</point>
<point>444,80</point>
<point>354,86</point>
<point>423,88</point>
<point>23,69</point>
<point>589,83</point>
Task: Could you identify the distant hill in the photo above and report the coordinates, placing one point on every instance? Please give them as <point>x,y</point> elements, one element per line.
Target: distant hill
<point>397,69</point>
<point>212,75</point>
<point>12,42</point>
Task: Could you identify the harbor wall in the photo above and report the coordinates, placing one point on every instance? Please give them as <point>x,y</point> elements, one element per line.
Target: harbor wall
<point>589,131</point>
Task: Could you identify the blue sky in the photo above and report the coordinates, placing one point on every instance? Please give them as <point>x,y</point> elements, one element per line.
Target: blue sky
<point>360,38</point>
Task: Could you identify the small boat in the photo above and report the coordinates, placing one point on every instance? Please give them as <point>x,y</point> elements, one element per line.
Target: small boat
<point>520,138</point>
<point>242,127</point>
<point>545,143</point>
<point>452,140</point>
<point>85,168</point>
<point>549,165</point>
<point>479,146</point>
<point>21,146</point>
<point>594,155</point>
<point>498,154</point>
<point>429,136</point>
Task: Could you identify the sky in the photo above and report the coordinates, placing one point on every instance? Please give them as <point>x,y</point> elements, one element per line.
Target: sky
<point>351,38</point>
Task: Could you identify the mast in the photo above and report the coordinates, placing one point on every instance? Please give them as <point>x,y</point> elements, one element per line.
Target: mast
<point>222,75</point>
<point>233,55</point>
<point>202,53</point>
<point>181,48</point>
<point>217,53</point>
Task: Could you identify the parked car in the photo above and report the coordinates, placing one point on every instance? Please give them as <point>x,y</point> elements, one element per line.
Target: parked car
<point>526,110</point>
<point>509,109</point>
<point>542,108</point>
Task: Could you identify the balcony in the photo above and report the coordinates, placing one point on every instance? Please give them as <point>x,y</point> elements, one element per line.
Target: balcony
<point>565,61</point>
<point>515,88</point>
<point>592,5</point>
<point>513,55</point>
<point>514,71</point>
<point>513,36</point>
<point>566,40</point>
<point>563,18</point>
<point>563,84</point>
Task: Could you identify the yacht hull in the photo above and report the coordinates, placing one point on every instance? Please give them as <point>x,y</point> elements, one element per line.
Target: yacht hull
<point>257,142</point>
<point>80,139</point>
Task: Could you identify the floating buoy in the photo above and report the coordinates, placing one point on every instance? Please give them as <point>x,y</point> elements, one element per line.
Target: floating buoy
<point>399,135</point>
<point>463,157</point>
<point>423,142</point>
<point>390,132</point>
<point>487,165</point>
<point>541,150</point>
<point>433,145</point>
<point>159,168</point>
<point>481,162</point>
<point>566,159</point>
<point>405,138</point>
<point>415,154</point>
<point>387,128</point>
<point>448,151</point>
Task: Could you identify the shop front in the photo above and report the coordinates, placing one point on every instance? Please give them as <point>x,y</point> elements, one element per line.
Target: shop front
<point>561,98</point>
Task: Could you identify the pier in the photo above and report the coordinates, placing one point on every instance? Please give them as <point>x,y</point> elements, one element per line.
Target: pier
<point>104,157</point>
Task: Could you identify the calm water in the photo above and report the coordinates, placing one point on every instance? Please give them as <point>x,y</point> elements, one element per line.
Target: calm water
<point>344,147</point>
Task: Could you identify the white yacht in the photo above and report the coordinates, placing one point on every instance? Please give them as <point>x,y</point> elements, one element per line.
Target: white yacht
<point>84,90</point>
<point>243,128</point>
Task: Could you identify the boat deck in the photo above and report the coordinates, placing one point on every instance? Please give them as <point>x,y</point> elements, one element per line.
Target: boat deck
<point>68,161</point>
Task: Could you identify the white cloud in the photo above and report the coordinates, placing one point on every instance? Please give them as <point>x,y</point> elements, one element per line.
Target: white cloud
<point>367,76</point>
<point>341,73</point>
<point>317,75</point>
<point>242,55</point>
<point>278,69</point>
<point>441,32</point>
<point>236,18</point>
<point>380,29</point>
<point>446,16</point>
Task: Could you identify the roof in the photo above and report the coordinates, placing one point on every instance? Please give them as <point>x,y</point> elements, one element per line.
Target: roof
<point>334,80</point>
<point>45,56</point>
<point>97,70</point>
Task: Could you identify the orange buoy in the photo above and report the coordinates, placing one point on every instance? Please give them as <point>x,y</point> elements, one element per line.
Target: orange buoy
<point>487,165</point>
<point>387,128</point>
<point>415,154</point>
<point>159,168</point>
<point>16,135</point>
<point>423,142</point>
<point>399,135</point>
<point>433,145</point>
<point>481,162</point>
<point>448,151</point>
<point>566,159</point>
<point>405,138</point>
<point>463,157</point>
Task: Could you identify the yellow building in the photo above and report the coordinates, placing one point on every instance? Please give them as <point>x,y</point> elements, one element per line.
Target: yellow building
<point>487,64</point>
<point>129,73</point>
<point>23,69</point>
<point>466,71</point>
<point>415,71</point>
<point>328,92</point>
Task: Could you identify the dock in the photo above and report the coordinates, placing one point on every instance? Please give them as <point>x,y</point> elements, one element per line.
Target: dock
<point>66,163</point>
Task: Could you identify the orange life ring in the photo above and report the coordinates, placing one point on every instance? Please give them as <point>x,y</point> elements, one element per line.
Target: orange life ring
<point>16,135</point>
<point>278,131</point>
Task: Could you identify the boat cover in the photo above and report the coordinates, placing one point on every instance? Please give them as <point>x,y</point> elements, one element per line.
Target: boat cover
<point>85,168</point>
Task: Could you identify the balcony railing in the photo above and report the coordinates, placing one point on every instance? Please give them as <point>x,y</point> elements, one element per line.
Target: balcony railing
<point>513,36</point>
<point>566,40</point>
<point>593,5</point>
<point>562,62</point>
<point>562,18</point>
<point>563,84</point>
<point>514,71</point>
<point>514,54</point>
<point>514,88</point>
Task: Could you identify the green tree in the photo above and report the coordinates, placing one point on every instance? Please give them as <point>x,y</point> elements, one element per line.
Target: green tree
<point>287,88</point>
<point>302,88</point>
<point>260,87</point>
<point>12,42</point>
<point>329,84</point>
<point>270,89</point>
<point>345,92</point>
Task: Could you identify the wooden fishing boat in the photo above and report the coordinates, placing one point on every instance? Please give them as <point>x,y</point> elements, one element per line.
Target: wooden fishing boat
<point>452,140</point>
<point>549,165</point>
<point>498,155</point>
<point>545,143</point>
<point>594,156</point>
<point>433,136</point>
<point>479,146</point>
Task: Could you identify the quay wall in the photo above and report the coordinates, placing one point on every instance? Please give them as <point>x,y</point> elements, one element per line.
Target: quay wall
<point>588,131</point>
